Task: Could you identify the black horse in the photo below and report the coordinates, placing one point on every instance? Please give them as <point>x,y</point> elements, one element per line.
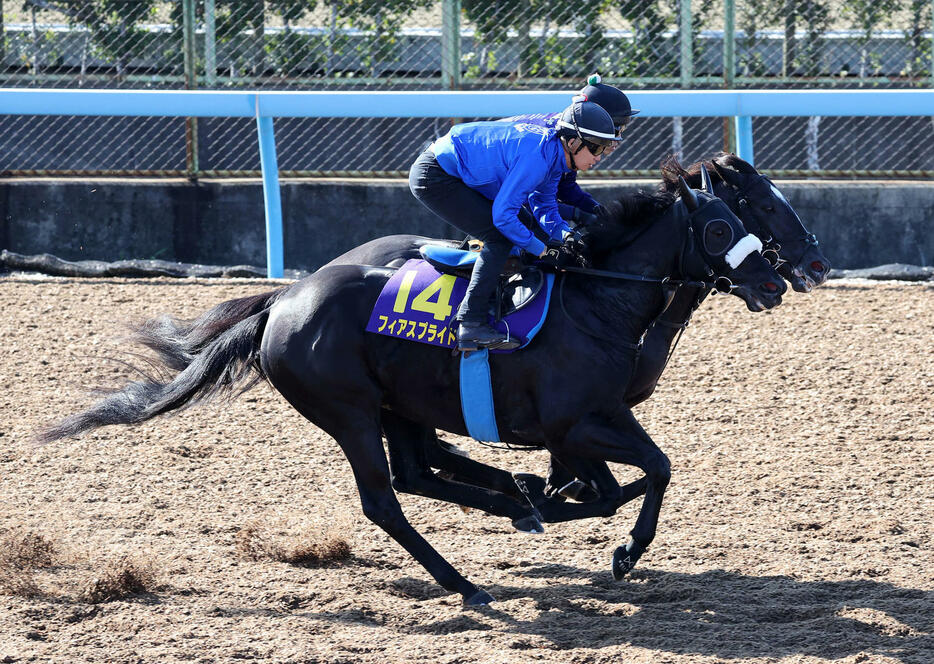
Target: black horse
<point>764,211</point>
<point>414,453</point>
<point>566,389</point>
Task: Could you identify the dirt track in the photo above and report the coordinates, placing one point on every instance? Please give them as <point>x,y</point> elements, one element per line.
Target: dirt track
<point>797,527</point>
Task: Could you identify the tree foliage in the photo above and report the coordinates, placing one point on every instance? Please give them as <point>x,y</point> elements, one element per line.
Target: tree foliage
<point>516,39</point>
<point>114,24</point>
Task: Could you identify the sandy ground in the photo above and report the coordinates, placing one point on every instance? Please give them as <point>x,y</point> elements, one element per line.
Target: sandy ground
<point>797,527</point>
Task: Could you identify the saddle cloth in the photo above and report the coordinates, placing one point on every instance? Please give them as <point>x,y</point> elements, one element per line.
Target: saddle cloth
<point>419,303</point>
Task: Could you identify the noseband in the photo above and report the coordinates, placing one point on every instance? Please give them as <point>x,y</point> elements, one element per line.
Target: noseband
<point>771,248</point>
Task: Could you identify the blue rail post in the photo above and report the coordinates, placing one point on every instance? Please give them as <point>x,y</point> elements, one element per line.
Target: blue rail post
<point>271,196</point>
<point>744,138</point>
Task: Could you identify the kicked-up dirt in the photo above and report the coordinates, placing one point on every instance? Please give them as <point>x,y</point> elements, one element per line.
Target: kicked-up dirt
<point>797,526</point>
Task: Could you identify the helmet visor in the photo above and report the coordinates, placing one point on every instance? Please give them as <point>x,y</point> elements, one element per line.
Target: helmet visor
<point>596,143</point>
<point>621,125</point>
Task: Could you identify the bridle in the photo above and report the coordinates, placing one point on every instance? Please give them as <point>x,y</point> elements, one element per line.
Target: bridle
<point>771,248</point>
<point>721,284</point>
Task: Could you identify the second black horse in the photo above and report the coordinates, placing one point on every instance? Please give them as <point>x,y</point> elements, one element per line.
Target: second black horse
<point>566,389</point>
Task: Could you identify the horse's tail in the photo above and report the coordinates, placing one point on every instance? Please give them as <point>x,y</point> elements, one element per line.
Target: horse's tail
<point>217,364</point>
<point>177,342</point>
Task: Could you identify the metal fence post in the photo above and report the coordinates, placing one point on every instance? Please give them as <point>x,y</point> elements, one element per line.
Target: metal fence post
<point>687,45</point>
<point>210,45</point>
<point>729,69</point>
<point>744,139</point>
<point>271,195</point>
<point>451,44</point>
<point>191,82</point>
<point>687,75</point>
<point>35,42</point>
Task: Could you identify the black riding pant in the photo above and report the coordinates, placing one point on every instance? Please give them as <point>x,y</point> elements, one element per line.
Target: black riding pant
<point>469,211</point>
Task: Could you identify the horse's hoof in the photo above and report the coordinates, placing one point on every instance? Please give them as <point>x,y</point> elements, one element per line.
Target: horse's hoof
<point>479,598</point>
<point>625,558</point>
<point>528,524</point>
<point>529,484</point>
<point>578,491</point>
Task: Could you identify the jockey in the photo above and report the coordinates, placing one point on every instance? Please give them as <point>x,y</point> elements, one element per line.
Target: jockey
<point>574,204</point>
<point>478,176</point>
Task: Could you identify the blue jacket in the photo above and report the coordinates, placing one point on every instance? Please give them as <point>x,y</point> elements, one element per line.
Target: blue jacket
<point>509,164</point>
<point>569,192</point>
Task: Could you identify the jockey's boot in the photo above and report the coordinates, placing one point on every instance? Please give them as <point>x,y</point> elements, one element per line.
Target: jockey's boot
<point>473,335</point>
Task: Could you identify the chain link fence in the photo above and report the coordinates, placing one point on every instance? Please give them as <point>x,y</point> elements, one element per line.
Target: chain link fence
<point>457,44</point>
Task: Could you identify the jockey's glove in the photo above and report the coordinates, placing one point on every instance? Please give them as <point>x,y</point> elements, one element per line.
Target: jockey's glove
<point>564,255</point>
<point>578,242</point>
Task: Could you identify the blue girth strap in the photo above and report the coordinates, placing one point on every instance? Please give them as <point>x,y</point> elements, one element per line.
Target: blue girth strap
<point>477,396</point>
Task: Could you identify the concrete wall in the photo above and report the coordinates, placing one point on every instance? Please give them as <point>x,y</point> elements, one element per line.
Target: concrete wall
<point>859,224</point>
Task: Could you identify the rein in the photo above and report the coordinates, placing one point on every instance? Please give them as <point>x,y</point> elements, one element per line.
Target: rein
<point>637,347</point>
<point>722,284</point>
<point>626,276</point>
<point>682,326</point>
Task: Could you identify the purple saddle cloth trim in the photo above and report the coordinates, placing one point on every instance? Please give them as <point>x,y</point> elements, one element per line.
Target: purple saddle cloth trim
<point>419,303</point>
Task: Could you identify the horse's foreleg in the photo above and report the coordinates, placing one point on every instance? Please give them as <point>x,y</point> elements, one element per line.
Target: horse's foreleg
<point>364,450</point>
<point>624,441</point>
<point>583,480</point>
<point>411,444</point>
<point>606,500</point>
<point>604,495</point>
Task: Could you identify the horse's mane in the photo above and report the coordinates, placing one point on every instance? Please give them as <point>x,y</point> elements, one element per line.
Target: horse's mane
<point>626,217</point>
<point>671,168</point>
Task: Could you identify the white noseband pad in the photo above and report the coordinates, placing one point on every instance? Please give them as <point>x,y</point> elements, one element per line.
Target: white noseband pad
<point>741,249</point>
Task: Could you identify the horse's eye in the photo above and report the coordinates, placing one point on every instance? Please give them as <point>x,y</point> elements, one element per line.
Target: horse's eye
<point>718,235</point>
<point>770,209</point>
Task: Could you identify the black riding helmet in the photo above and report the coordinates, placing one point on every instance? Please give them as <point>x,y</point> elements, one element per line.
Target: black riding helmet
<point>590,123</point>
<point>613,100</point>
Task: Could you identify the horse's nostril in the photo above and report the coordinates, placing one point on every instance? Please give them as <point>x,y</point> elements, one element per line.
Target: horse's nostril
<point>770,286</point>
<point>817,266</point>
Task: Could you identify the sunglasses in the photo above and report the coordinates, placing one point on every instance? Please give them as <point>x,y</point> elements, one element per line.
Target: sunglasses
<point>595,150</point>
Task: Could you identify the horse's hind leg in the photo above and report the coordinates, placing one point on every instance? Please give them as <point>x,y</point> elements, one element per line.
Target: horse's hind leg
<point>359,438</point>
<point>468,471</point>
<point>315,353</point>
<point>409,444</point>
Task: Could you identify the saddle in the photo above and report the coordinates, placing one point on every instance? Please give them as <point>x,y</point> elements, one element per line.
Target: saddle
<point>518,284</point>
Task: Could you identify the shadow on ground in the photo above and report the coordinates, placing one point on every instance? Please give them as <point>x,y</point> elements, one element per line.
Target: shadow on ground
<point>714,613</point>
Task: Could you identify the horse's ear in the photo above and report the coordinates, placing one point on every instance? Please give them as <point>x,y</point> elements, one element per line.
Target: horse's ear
<point>687,195</point>
<point>728,175</point>
<point>741,165</point>
<point>706,184</point>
